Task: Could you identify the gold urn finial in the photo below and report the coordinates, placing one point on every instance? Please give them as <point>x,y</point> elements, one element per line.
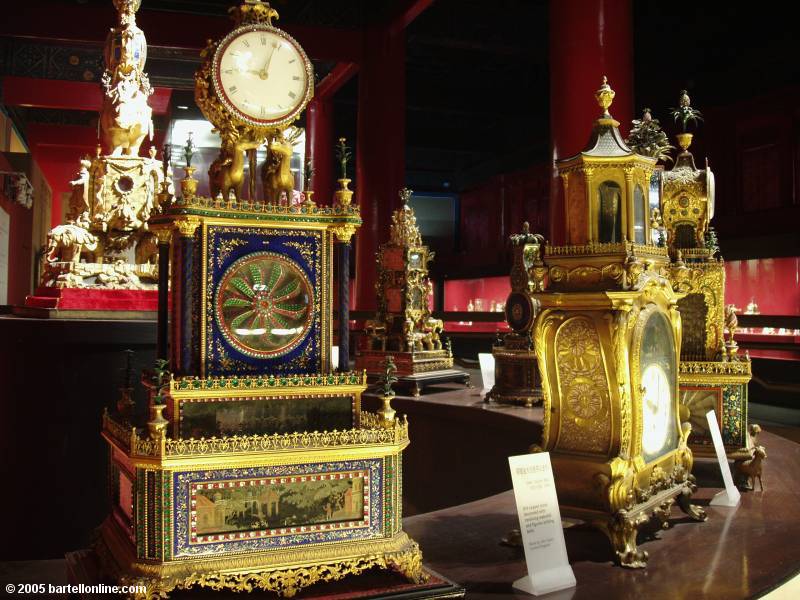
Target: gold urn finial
<point>605,96</point>
<point>253,11</point>
<point>405,195</point>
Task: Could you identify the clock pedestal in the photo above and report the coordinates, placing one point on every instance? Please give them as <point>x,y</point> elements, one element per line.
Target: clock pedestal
<point>257,467</point>
<point>607,336</point>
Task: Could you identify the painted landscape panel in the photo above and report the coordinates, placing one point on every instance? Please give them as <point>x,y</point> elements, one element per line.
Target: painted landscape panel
<point>262,505</point>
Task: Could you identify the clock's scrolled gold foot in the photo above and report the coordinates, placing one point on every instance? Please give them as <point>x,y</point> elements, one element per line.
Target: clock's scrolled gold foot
<point>409,564</point>
<point>692,510</point>
<point>416,391</point>
<point>622,530</point>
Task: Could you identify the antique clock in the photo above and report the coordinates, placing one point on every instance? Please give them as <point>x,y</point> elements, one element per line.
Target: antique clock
<point>403,326</point>
<point>257,467</point>
<point>607,341</point>
<point>257,77</point>
<point>516,373</point>
<point>712,373</point>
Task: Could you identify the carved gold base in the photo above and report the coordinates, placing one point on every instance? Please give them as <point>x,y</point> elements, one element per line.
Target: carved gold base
<point>622,528</point>
<point>407,363</point>
<point>282,572</point>
<point>105,276</point>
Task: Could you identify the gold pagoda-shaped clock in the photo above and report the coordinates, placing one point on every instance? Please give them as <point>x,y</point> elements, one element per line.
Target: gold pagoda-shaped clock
<point>257,467</point>
<point>607,341</point>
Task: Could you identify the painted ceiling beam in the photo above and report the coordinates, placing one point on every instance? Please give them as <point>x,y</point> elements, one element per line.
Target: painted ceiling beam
<point>60,94</point>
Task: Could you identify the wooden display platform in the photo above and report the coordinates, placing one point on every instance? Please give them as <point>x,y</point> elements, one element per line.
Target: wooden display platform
<point>416,384</point>
<point>83,568</point>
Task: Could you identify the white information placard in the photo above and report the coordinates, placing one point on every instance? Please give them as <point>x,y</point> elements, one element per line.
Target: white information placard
<point>540,524</point>
<point>730,496</point>
<point>487,371</point>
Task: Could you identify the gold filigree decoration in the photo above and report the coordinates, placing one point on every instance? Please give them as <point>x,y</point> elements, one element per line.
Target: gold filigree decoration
<point>584,424</point>
<point>404,231</point>
<point>226,247</point>
<point>306,250</point>
<point>708,279</point>
<point>370,434</point>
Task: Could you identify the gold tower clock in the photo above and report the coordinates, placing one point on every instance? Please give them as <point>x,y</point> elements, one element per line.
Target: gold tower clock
<point>607,341</point>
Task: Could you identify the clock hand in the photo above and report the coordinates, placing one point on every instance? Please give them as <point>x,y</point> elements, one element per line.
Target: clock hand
<point>264,73</point>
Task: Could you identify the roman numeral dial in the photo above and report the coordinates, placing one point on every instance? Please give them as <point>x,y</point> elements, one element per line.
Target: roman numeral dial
<point>262,74</point>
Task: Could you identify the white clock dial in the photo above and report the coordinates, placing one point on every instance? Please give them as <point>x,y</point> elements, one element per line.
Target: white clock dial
<point>656,404</point>
<point>262,75</point>
<point>711,190</point>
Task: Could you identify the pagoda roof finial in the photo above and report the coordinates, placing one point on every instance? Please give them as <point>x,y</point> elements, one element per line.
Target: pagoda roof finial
<point>605,96</point>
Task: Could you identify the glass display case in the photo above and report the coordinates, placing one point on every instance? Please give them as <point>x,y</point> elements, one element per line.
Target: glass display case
<point>766,287</point>
<point>486,294</point>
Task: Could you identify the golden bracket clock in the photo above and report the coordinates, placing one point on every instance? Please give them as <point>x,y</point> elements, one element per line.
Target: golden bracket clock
<point>607,341</point>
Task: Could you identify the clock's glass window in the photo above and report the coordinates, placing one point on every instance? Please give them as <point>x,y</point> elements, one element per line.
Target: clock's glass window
<point>610,220</point>
<point>639,212</point>
<point>658,373</point>
<point>264,305</point>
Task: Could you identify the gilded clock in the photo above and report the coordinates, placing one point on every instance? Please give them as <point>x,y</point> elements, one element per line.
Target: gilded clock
<point>256,80</point>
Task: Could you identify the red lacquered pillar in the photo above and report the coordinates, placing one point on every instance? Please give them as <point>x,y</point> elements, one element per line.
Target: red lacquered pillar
<point>380,149</point>
<point>319,148</point>
<point>588,39</point>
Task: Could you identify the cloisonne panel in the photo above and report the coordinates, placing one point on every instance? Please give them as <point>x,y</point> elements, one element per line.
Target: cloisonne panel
<point>263,508</point>
<point>264,304</point>
<point>728,401</point>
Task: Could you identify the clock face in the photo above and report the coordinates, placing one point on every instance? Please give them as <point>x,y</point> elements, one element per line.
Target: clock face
<point>519,312</point>
<point>655,409</point>
<point>658,363</point>
<point>711,191</point>
<point>262,75</point>
<point>264,305</point>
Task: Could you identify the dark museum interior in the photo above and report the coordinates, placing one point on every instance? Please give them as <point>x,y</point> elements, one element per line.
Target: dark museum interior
<point>435,235</point>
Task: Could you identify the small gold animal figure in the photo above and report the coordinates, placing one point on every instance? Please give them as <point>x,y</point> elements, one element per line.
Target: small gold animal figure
<point>276,175</point>
<point>226,173</point>
<point>750,470</point>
